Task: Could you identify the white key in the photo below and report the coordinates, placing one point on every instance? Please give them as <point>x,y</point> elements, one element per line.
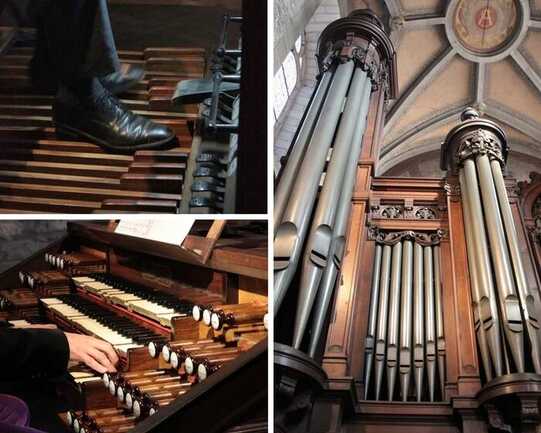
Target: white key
<point>51,301</point>
<point>123,348</point>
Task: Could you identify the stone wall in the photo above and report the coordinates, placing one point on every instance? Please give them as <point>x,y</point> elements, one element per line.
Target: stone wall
<point>519,166</point>
<point>21,239</point>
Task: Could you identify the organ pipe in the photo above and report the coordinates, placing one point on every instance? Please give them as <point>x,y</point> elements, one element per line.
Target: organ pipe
<point>527,300</point>
<point>405,319</point>
<point>394,317</point>
<point>406,316</point>
<point>316,257</point>
<point>419,331</point>
<point>477,150</point>
<point>370,339</point>
<point>509,303</point>
<point>383,311</point>
<point>338,244</point>
<point>484,322</point>
<point>289,238</point>
<point>355,56</point>
<point>298,149</point>
<point>430,321</point>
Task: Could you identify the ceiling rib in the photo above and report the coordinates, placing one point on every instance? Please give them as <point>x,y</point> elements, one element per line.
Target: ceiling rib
<point>480,80</point>
<point>420,21</point>
<point>394,7</point>
<point>517,123</point>
<point>422,81</point>
<point>421,127</point>
<point>527,69</point>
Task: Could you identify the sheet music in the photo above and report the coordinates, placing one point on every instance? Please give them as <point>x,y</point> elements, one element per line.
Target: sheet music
<point>168,230</point>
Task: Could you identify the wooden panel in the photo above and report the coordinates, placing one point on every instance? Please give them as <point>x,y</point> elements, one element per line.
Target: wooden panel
<point>468,365</point>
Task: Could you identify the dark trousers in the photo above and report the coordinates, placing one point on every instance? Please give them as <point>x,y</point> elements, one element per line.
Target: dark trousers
<point>75,38</point>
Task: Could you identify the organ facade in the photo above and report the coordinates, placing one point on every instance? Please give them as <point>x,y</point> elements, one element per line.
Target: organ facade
<point>404,303</point>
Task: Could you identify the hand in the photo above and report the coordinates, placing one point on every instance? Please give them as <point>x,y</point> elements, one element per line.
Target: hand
<point>96,354</point>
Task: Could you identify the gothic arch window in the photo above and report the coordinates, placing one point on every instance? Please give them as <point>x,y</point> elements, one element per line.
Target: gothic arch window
<point>286,79</point>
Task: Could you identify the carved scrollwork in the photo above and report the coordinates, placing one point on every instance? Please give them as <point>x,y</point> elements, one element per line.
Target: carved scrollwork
<point>369,61</point>
<point>479,142</point>
<point>392,238</point>
<point>392,212</point>
<point>536,208</point>
<point>452,188</point>
<point>537,227</point>
<point>425,213</point>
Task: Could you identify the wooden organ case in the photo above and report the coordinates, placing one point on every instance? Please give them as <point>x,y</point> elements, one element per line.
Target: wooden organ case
<point>144,298</point>
<point>421,312</point>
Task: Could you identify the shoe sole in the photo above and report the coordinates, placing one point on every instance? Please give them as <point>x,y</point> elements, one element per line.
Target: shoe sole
<point>67,132</point>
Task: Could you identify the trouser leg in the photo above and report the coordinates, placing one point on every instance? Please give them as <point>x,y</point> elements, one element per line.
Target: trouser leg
<point>79,37</point>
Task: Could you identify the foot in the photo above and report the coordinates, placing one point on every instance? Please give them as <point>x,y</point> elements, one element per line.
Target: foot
<point>104,121</point>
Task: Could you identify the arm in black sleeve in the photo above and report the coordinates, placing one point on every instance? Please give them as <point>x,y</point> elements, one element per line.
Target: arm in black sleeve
<point>26,353</point>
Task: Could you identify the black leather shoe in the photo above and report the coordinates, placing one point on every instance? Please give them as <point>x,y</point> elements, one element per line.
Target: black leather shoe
<point>107,123</point>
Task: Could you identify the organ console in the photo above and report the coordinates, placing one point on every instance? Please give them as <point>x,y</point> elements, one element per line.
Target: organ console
<point>407,304</point>
<point>142,296</point>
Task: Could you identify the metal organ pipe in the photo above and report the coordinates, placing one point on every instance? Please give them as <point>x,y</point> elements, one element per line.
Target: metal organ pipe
<point>488,306</point>
<point>304,134</point>
<point>318,244</point>
<point>527,301</point>
<point>477,150</point>
<point>338,244</point>
<point>430,322</point>
<point>394,317</point>
<point>405,321</point>
<point>418,330</point>
<point>289,238</point>
<point>383,312</point>
<point>479,314</point>
<point>370,340</point>
<point>509,303</point>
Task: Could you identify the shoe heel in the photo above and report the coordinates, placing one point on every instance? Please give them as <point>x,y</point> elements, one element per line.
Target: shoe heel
<point>65,134</point>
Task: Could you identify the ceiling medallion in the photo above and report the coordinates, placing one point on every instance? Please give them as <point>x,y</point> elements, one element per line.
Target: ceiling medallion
<point>486,30</point>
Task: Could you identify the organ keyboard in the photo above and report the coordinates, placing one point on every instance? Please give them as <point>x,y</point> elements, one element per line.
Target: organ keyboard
<point>142,303</point>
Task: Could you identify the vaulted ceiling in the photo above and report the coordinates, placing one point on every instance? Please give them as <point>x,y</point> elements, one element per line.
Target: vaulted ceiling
<point>452,54</point>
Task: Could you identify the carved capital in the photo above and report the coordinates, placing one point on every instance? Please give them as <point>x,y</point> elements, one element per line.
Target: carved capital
<point>361,38</point>
<point>474,136</point>
<point>479,142</point>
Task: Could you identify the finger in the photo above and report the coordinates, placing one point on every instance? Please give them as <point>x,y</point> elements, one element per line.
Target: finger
<point>108,350</point>
<point>101,358</point>
<point>44,326</point>
<point>91,362</point>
